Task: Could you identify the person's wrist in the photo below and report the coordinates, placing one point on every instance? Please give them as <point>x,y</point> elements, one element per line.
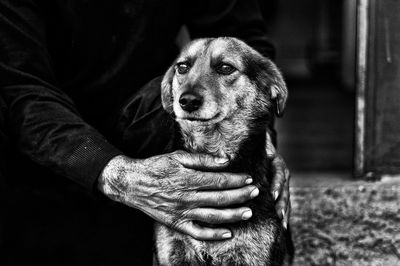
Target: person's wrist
<point>112,180</point>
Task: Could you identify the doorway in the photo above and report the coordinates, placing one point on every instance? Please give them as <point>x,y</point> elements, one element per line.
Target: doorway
<point>315,41</point>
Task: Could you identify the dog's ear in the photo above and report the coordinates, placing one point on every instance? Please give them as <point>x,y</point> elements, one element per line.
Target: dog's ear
<point>267,75</point>
<point>277,86</point>
<point>166,89</point>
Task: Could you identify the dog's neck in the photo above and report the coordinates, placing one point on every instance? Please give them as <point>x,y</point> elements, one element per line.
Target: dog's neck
<point>244,147</point>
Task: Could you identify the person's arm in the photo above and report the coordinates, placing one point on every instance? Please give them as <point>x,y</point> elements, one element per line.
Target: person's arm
<point>43,120</point>
<point>49,129</point>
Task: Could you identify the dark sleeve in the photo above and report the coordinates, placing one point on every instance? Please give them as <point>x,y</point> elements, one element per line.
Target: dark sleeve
<point>43,119</point>
<point>235,18</point>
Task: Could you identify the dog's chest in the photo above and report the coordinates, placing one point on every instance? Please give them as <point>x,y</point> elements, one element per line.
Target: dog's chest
<point>249,246</point>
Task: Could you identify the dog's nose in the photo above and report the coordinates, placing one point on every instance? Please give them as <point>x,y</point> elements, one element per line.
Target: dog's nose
<point>190,102</point>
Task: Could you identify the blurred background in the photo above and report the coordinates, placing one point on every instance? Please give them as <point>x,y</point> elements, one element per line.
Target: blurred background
<point>340,217</point>
<point>315,42</point>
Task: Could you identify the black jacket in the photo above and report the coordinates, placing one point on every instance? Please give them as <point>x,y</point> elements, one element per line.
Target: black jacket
<point>66,69</point>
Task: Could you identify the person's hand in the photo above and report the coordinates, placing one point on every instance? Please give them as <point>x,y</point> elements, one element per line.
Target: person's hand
<point>175,189</point>
<point>280,183</point>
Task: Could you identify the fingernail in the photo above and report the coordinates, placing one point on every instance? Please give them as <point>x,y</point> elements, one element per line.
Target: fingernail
<point>221,160</point>
<point>247,214</point>
<point>227,235</point>
<point>254,193</point>
<point>276,194</point>
<point>249,181</point>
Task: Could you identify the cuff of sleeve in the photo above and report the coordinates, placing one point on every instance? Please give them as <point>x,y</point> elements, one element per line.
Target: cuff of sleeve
<point>88,160</point>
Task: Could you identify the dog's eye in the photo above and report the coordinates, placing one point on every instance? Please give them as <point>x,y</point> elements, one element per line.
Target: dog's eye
<point>225,69</point>
<point>182,68</point>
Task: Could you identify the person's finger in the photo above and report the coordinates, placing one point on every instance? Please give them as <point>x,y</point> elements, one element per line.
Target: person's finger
<point>280,178</point>
<point>215,181</point>
<point>200,161</point>
<point>282,205</point>
<point>286,215</point>
<point>204,233</point>
<point>269,147</point>
<point>219,216</point>
<point>224,198</point>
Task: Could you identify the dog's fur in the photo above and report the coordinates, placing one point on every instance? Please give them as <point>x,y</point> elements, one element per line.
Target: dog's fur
<point>232,122</point>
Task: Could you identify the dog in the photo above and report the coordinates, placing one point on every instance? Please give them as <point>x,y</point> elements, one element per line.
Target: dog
<point>224,94</point>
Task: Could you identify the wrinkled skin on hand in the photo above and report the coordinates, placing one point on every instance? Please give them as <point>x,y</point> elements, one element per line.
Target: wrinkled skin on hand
<point>179,188</point>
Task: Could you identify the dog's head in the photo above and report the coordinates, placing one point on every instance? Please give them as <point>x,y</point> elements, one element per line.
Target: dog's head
<point>216,79</point>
